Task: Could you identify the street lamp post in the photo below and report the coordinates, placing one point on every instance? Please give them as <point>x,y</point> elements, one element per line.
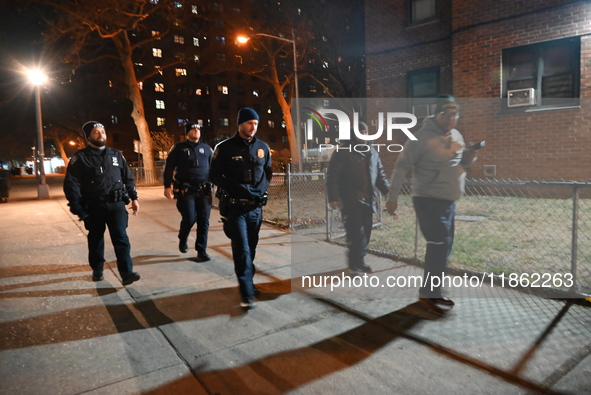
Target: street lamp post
<point>242,40</point>
<point>38,78</point>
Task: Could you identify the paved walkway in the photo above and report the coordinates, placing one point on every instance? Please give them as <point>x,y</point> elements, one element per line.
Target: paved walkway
<point>179,330</point>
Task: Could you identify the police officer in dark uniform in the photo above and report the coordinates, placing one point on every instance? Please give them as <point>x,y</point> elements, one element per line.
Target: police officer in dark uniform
<point>187,170</point>
<point>241,168</point>
<point>98,186</point>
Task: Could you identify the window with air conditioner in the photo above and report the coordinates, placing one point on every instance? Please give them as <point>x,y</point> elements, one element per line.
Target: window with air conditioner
<point>542,75</point>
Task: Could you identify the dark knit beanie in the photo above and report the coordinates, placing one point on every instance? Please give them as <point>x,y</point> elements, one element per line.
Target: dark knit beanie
<point>246,114</point>
<point>446,103</point>
<point>191,125</point>
<point>363,126</point>
<point>88,126</point>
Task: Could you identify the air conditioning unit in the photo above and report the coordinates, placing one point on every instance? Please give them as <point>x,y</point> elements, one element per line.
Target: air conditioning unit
<point>521,97</point>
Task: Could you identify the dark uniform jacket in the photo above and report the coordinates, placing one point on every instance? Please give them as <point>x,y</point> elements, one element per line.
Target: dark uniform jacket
<point>188,162</point>
<point>93,176</point>
<point>241,168</point>
<point>352,178</point>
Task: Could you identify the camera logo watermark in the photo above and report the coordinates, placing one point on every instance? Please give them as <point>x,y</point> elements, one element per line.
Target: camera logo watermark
<point>387,121</point>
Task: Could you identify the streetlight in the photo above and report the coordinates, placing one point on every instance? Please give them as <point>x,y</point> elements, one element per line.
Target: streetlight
<point>244,40</point>
<point>38,78</point>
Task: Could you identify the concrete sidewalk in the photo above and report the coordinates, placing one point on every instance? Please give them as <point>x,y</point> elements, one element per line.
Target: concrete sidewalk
<point>179,330</point>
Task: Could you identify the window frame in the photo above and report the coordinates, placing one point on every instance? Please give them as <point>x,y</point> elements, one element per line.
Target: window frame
<point>412,22</point>
<point>539,50</point>
<point>425,99</point>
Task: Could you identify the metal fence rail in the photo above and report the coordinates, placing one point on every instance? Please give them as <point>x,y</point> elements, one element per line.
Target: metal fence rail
<point>502,226</point>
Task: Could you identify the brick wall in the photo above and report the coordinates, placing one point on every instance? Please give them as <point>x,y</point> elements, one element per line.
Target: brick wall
<point>543,145</point>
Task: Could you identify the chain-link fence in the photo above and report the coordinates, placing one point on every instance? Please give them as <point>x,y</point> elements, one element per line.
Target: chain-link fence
<point>146,178</point>
<point>502,227</point>
<point>541,230</point>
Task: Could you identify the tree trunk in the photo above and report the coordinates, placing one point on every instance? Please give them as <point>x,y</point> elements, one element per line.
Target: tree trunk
<point>138,113</point>
<point>286,108</point>
<point>60,147</point>
<point>289,126</point>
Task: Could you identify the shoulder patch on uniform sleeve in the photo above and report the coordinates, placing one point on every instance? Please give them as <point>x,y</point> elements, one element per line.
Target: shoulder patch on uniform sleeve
<point>73,159</point>
<point>261,153</point>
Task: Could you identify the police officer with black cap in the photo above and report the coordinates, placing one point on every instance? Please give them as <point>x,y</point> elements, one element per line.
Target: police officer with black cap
<point>187,170</point>
<point>98,186</point>
<point>241,168</point>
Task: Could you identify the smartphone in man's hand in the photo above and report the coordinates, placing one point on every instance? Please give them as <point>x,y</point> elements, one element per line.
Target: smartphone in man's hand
<point>477,146</point>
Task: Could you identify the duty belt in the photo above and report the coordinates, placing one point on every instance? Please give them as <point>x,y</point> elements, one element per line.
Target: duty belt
<point>257,202</point>
<point>184,187</point>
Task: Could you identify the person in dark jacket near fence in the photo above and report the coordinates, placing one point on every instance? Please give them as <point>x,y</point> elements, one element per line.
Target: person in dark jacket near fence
<point>355,174</point>
<point>98,186</point>
<point>187,169</point>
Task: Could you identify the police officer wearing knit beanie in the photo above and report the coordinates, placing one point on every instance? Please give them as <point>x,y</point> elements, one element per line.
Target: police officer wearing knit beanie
<point>241,168</point>
<point>98,186</point>
<point>186,178</point>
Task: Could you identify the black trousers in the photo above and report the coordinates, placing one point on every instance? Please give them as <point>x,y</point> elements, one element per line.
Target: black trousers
<point>358,222</point>
<point>242,228</point>
<point>115,217</point>
<point>194,209</point>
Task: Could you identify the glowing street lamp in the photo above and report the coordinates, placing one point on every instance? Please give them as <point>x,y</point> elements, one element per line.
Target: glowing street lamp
<point>244,40</point>
<point>38,78</point>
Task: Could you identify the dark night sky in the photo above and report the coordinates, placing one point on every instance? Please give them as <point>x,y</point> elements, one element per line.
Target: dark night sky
<point>20,46</point>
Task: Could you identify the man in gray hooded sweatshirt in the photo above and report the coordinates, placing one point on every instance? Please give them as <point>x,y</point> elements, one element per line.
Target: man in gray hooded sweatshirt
<point>437,158</point>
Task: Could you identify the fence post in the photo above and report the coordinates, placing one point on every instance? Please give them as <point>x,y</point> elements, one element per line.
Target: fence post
<point>575,236</point>
<point>288,179</point>
<point>378,197</point>
<point>416,237</point>
<point>327,208</point>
